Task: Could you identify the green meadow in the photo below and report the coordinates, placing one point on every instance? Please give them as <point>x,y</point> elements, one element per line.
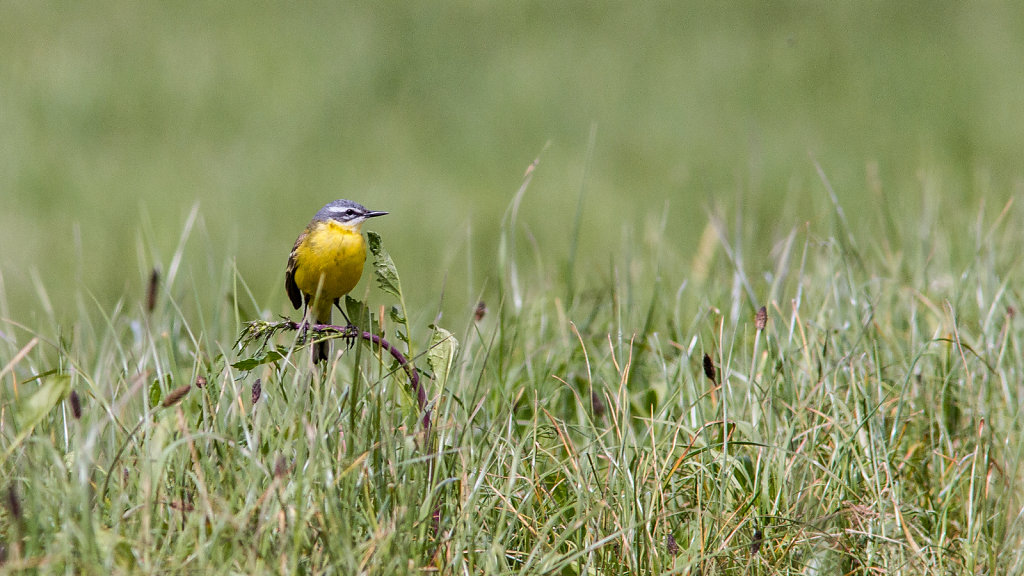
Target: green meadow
<point>676,288</point>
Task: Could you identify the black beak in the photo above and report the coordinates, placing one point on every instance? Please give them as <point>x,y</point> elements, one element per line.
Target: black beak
<point>373,214</point>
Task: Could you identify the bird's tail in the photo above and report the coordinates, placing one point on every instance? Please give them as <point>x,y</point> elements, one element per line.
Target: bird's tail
<point>322,349</point>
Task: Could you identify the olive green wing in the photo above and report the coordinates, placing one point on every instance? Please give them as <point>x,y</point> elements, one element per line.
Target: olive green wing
<point>294,294</point>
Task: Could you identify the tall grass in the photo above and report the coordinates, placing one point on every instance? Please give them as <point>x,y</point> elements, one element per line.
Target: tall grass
<point>637,419</point>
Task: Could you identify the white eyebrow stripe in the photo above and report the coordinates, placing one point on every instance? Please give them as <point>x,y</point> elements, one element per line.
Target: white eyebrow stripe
<point>338,208</point>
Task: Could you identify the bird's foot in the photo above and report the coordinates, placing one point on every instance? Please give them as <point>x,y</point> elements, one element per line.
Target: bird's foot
<point>303,332</point>
<point>350,335</point>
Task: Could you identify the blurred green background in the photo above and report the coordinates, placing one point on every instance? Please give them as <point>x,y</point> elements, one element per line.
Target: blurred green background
<point>117,117</point>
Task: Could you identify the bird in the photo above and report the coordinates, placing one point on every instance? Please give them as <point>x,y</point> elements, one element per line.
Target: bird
<point>327,262</point>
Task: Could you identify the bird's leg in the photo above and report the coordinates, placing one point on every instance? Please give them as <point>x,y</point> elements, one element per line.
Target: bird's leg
<point>304,328</point>
<point>351,332</point>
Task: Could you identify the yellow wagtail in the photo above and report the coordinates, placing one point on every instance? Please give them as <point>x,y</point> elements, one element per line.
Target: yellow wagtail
<point>326,262</point>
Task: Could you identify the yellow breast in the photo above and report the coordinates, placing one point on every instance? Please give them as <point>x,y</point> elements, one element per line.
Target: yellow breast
<point>334,254</point>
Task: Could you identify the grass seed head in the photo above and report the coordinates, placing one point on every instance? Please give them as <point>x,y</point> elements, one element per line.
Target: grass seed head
<point>597,404</point>
<point>257,390</point>
<point>152,291</point>
<point>175,396</point>
<point>761,320</point>
<point>709,368</point>
<point>76,405</point>
<point>14,503</point>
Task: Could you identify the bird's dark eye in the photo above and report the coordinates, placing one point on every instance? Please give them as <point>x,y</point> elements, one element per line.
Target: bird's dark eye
<point>350,212</point>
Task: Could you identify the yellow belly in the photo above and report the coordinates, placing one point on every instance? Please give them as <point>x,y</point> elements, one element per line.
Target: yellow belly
<point>330,261</point>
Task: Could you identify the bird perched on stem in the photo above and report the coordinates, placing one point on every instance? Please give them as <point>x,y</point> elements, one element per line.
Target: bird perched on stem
<point>327,262</point>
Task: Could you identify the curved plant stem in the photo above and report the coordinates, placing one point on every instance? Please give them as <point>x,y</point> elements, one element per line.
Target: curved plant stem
<point>410,369</point>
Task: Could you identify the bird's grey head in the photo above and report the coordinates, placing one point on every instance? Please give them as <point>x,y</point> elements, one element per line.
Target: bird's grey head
<point>346,212</point>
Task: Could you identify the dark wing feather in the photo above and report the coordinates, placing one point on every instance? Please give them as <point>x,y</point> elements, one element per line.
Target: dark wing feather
<point>294,294</point>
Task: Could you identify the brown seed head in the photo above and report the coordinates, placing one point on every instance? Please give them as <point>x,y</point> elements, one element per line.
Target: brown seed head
<point>13,502</point>
<point>280,467</point>
<point>709,368</point>
<point>175,396</point>
<point>76,405</point>
<point>671,545</point>
<point>597,406</point>
<point>481,311</point>
<point>200,381</point>
<point>153,290</point>
<point>257,389</point>
<point>761,320</point>
<point>756,541</point>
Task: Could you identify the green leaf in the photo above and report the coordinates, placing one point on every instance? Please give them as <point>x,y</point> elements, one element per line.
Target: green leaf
<point>396,315</point>
<point>357,312</point>
<point>50,393</point>
<point>265,358</point>
<point>155,392</point>
<point>441,354</point>
<point>383,267</point>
